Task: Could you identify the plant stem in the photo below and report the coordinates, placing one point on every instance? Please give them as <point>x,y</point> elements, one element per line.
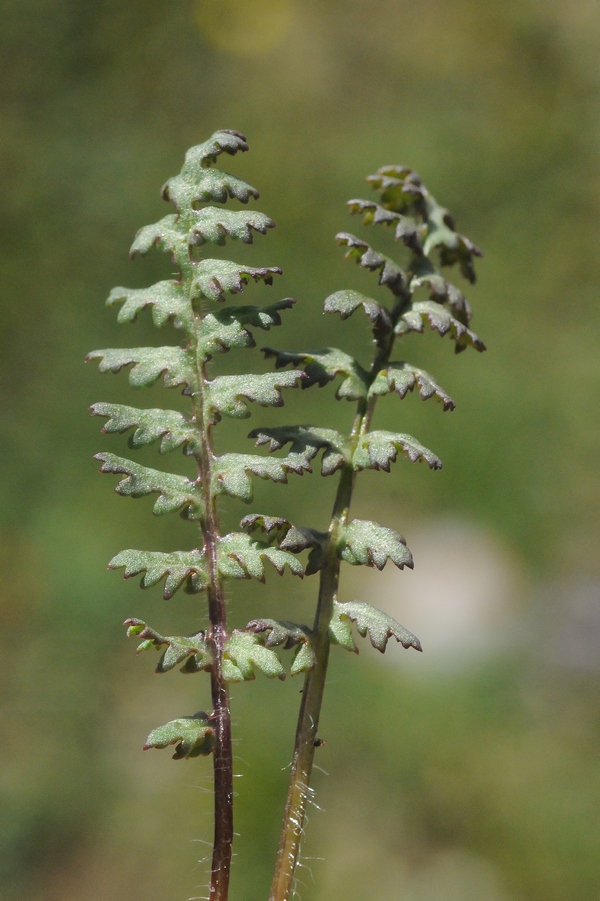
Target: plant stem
<point>299,790</point>
<point>217,635</point>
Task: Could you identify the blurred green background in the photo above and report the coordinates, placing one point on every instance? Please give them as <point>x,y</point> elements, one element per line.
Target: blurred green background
<point>468,772</point>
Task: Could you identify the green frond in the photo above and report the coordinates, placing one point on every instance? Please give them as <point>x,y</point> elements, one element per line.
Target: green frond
<point>214,226</point>
<point>168,300</point>
<point>187,568</point>
<point>366,543</point>
<point>322,366</point>
<point>244,653</point>
<point>231,473</point>
<point>376,450</point>
<point>402,378</point>
<point>401,190</point>
<point>193,735</point>
<point>170,427</point>
<point>175,492</point>
<point>377,624</point>
<point>213,279</point>
<point>223,329</point>
<point>306,441</point>
<point>277,633</point>
<point>242,557</point>
<point>441,320</point>
<point>390,274</point>
<point>346,302</point>
<point>174,363</point>
<point>227,395</point>
<point>183,189</point>
<point>193,650</point>
<point>207,186</point>
<point>405,229</point>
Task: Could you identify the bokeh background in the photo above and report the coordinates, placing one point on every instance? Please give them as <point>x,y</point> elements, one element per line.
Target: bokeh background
<point>471,771</point>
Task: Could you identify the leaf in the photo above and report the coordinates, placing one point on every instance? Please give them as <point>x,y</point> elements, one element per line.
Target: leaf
<point>231,473</point>
<point>169,234</point>
<point>187,568</point>
<point>184,189</point>
<point>402,378</point>
<point>207,186</point>
<point>170,427</point>
<point>346,302</point>
<point>167,299</point>
<point>214,278</point>
<point>242,557</point>
<point>223,329</point>
<point>227,394</point>
<point>292,538</point>
<point>390,273</point>
<point>366,543</point>
<point>243,653</point>
<point>379,625</point>
<point>442,321</point>
<point>405,229</point>
<point>378,449</point>
<point>174,363</point>
<point>306,441</point>
<point>287,635</point>
<point>215,226</point>
<point>192,734</point>
<point>193,650</point>
<point>322,366</point>
<point>175,492</point>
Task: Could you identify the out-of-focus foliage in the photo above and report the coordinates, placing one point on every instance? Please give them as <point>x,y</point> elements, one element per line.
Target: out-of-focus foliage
<point>492,771</point>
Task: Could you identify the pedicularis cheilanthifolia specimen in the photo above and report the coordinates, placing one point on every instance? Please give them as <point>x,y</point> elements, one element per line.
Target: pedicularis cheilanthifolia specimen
<point>191,302</point>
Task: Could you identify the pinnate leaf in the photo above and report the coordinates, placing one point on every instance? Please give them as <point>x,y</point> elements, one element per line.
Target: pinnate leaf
<point>322,366</point>
<point>170,427</point>
<point>378,449</point>
<point>187,187</point>
<point>175,492</point>
<point>215,226</point>
<point>244,652</point>
<point>174,363</point>
<point>401,189</point>
<point>213,279</point>
<point>242,557</point>
<point>377,624</point>
<point>440,319</point>
<point>193,650</point>
<point>441,291</point>
<point>306,441</point>
<point>169,234</point>
<point>187,568</point>
<point>193,735</point>
<point>232,473</point>
<point>402,378</point>
<point>287,635</point>
<point>227,394</point>
<point>366,543</point>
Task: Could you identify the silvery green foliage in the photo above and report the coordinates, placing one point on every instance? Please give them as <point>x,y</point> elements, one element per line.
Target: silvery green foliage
<point>421,298</point>
<point>197,303</point>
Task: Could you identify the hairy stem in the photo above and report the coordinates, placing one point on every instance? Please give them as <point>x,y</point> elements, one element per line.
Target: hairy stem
<point>217,635</point>
<point>299,790</point>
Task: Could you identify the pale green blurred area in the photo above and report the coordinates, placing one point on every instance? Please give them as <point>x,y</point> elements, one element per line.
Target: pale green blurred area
<point>471,772</point>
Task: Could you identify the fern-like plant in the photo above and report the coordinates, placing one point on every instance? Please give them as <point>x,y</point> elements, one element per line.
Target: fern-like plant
<point>190,302</point>
<point>421,297</point>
